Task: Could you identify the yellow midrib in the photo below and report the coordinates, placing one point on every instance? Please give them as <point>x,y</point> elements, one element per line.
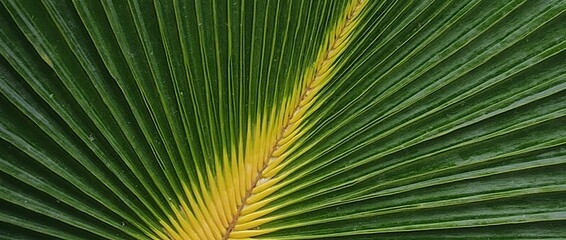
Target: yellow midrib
<point>271,166</point>
<point>230,207</point>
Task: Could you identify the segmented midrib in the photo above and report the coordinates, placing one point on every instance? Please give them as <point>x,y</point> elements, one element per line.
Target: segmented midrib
<point>338,42</point>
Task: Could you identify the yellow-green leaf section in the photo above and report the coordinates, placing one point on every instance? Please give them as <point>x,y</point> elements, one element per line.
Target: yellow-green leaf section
<point>232,206</point>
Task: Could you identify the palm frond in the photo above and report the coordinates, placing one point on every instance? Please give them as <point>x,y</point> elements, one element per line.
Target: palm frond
<point>282,119</point>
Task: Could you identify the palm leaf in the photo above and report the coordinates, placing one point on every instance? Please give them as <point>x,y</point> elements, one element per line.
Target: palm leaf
<point>282,119</point>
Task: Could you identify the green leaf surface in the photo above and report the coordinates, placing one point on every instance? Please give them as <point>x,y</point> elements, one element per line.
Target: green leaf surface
<point>282,119</point>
